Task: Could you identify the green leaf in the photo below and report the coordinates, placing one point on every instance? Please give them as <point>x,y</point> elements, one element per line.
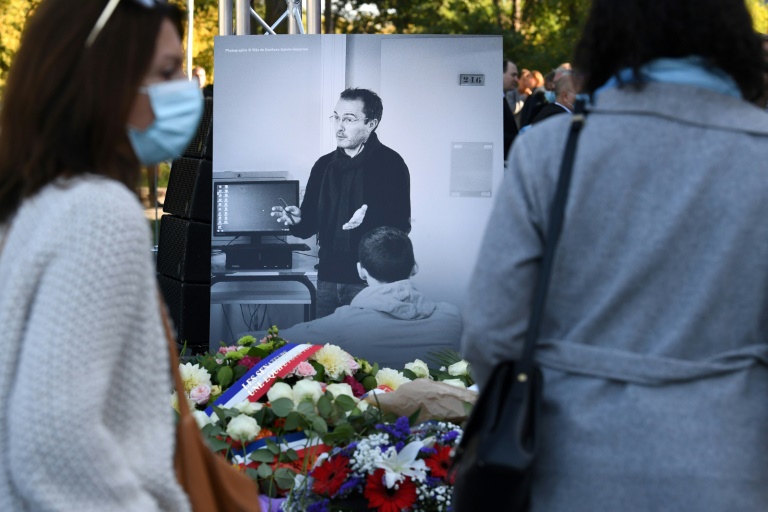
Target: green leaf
<point>305,409</point>
<point>282,407</point>
<point>290,454</point>
<point>369,383</point>
<point>409,374</point>
<point>319,425</point>
<point>252,473</point>
<point>285,478</point>
<point>413,417</point>
<point>320,369</point>
<point>239,371</point>
<point>347,403</point>
<point>258,352</point>
<point>375,369</point>
<point>224,377</point>
<point>272,447</point>
<point>324,406</point>
<point>264,471</point>
<point>262,455</point>
<point>217,445</point>
<point>292,421</point>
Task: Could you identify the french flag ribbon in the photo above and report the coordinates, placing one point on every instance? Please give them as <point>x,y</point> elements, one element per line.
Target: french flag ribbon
<point>297,441</point>
<point>257,381</point>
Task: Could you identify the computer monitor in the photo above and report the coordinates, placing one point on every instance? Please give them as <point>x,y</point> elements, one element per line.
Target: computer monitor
<point>242,206</point>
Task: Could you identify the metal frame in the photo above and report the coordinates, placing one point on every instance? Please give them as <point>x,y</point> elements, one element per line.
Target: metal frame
<point>244,12</point>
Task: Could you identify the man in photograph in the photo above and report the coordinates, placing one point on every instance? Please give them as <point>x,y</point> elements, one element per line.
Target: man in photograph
<point>390,322</point>
<point>359,186</point>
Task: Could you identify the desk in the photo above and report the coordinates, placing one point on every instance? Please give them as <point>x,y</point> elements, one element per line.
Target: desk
<point>303,272</point>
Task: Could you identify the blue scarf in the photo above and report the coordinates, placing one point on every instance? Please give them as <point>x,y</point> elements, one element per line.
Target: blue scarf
<point>692,70</point>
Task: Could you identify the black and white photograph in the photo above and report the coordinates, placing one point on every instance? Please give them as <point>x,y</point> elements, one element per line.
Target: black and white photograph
<point>326,144</point>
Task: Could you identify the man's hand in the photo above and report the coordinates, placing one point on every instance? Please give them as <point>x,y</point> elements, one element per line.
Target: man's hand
<point>290,215</point>
<point>356,219</point>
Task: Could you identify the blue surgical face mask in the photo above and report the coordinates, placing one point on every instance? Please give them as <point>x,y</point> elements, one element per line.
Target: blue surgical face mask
<point>549,96</point>
<point>177,106</point>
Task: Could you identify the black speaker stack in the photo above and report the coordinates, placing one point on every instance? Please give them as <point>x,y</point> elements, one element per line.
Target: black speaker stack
<point>184,245</point>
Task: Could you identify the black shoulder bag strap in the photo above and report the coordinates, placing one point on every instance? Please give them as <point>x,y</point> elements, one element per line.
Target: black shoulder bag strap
<point>525,364</point>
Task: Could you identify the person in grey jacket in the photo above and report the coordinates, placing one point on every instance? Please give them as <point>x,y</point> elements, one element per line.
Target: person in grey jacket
<point>389,322</point>
<point>654,344</point>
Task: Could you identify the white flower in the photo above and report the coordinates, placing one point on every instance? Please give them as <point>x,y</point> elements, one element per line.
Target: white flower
<point>341,388</point>
<point>193,375</point>
<point>243,428</point>
<point>396,466</point>
<point>175,402</point>
<point>335,361</point>
<point>455,382</point>
<point>248,407</point>
<point>307,390</point>
<point>419,368</point>
<point>280,390</point>
<point>391,378</point>
<point>202,418</point>
<point>458,369</point>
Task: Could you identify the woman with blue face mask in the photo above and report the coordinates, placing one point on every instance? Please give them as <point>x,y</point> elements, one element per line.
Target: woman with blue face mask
<point>96,90</point>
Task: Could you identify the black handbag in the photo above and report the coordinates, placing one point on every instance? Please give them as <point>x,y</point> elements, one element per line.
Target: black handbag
<point>493,463</point>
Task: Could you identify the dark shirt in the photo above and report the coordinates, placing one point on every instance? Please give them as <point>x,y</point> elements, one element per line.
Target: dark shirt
<point>386,189</point>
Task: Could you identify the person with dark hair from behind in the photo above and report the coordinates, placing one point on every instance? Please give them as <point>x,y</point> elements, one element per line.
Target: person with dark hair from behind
<point>86,104</point>
<point>654,340</point>
<point>565,99</point>
<point>390,322</point>
<point>360,185</point>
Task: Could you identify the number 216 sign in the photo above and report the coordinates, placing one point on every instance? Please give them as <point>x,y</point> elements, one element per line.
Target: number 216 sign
<point>471,79</point>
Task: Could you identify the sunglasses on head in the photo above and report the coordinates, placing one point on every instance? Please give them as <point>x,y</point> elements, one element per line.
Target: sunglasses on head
<point>107,13</point>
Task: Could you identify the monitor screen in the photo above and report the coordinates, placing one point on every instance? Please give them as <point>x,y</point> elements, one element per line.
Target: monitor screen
<point>243,207</point>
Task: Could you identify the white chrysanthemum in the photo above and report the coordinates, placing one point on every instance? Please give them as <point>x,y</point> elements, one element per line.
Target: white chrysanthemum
<point>243,428</point>
<point>193,375</point>
<point>280,390</point>
<point>335,361</point>
<point>175,402</point>
<point>459,369</point>
<point>307,391</point>
<point>419,368</point>
<point>248,407</point>
<point>391,378</point>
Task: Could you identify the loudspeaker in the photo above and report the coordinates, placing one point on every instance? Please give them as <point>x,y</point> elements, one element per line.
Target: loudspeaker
<point>202,143</point>
<point>189,189</point>
<point>189,308</point>
<point>184,249</point>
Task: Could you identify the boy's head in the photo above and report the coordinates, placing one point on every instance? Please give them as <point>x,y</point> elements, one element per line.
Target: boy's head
<point>386,255</point>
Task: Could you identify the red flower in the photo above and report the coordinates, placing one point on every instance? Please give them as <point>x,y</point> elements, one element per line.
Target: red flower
<point>249,361</point>
<point>389,500</point>
<point>330,476</point>
<point>440,462</point>
<point>357,389</point>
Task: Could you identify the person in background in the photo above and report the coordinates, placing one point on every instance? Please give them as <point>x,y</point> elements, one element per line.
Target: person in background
<point>654,341</point>
<point>361,185</point>
<point>509,82</point>
<point>199,73</point>
<point>565,99</point>
<point>511,79</point>
<point>86,423</point>
<point>389,322</point>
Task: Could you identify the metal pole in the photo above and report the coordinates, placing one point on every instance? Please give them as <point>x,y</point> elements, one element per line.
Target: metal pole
<point>190,30</point>
<point>294,20</point>
<point>313,17</point>
<point>225,17</point>
<point>243,17</point>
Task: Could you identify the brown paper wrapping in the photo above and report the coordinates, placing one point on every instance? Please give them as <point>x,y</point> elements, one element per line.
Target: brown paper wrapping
<point>437,400</point>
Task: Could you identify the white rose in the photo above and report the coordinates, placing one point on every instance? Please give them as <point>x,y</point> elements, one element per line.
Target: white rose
<point>307,390</point>
<point>362,406</point>
<point>455,382</point>
<point>243,428</point>
<point>202,418</point>
<point>280,390</point>
<point>248,407</point>
<point>341,388</point>
<point>460,368</point>
<point>419,368</point>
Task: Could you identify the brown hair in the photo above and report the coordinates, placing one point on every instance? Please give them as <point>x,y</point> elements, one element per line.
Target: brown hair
<point>66,106</point>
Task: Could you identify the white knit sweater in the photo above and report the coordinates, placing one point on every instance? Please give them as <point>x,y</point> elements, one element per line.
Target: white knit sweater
<point>85,421</point>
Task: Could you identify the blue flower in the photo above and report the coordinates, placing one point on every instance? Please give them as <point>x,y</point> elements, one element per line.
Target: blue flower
<point>319,506</point>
